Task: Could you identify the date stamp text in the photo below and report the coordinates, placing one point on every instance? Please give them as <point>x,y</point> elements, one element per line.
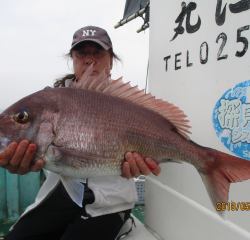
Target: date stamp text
<point>233,206</point>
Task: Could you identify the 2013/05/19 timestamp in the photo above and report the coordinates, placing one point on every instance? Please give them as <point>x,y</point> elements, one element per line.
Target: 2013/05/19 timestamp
<point>233,206</point>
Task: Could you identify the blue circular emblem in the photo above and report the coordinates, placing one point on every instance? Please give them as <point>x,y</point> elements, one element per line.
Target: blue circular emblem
<point>231,119</point>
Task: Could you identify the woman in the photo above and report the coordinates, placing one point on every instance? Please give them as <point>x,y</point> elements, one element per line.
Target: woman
<point>107,200</point>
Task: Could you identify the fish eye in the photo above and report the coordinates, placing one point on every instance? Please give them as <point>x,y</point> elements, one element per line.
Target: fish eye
<point>21,116</point>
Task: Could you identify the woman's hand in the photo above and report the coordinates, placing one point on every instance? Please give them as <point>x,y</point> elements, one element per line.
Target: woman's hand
<point>16,158</point>
<point>135,166</point>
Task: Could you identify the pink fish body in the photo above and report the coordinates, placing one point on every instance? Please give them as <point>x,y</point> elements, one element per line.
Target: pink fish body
<point>83,133</point>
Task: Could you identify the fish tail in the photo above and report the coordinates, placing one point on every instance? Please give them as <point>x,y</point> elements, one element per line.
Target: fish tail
<point>218,173</point>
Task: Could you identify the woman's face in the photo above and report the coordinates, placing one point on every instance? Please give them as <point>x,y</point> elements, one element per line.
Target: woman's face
<point>90,52</point>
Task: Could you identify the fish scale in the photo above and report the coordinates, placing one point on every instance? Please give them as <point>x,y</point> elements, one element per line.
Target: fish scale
<point>117,124</point>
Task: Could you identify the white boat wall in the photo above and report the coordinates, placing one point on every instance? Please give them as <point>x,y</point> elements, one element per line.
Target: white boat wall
<point>199,61</point>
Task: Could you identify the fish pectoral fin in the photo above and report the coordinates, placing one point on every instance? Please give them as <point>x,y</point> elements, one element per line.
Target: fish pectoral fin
<point>75,158</point>
<point>80,154</point>
<point>74,188</point>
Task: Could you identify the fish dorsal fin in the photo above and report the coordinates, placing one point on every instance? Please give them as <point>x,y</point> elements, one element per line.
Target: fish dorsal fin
<point>103,83</point>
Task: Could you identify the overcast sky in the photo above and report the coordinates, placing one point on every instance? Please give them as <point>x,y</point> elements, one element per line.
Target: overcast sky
<point>36,33</point>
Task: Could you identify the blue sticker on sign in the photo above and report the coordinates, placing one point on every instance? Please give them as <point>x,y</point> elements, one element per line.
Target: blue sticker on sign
<point>231,119</point>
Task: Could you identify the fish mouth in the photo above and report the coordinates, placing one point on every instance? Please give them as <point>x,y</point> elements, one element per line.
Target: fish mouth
<point>4,142</point>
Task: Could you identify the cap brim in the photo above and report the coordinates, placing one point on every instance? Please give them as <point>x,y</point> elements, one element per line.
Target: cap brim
<point>106,47</point>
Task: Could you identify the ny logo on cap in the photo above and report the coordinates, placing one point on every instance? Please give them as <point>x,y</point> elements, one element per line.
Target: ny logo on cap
<point>86,32</point>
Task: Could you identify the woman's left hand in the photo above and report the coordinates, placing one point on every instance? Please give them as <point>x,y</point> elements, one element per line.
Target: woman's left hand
<point>135,166</point>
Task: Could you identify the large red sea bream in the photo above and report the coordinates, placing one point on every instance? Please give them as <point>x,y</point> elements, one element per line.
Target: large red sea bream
<point>85,131</point>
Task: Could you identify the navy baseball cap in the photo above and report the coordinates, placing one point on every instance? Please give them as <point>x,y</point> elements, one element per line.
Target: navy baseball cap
<point>94,34</point>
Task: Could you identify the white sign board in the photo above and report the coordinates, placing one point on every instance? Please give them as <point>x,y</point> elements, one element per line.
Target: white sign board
<point>200,62</point>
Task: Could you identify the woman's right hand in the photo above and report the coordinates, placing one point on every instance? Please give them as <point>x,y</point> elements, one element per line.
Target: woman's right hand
<point>16,158</point>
